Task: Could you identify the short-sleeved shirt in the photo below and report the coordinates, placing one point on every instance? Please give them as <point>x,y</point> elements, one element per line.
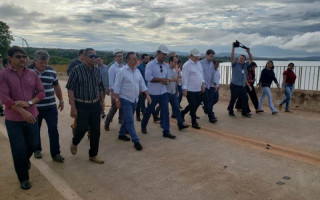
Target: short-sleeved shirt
<point>291,77</point>
<point>142,68</point>
<point>86,83</point>
<point>73,63</point>
<point>239,73</point>
<point>49,79</point>
<point>171,87</point>
<point>156,70</point>
<point>104,75</point>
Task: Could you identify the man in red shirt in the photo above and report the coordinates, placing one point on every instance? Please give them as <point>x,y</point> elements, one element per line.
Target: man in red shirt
<point>21,89</point>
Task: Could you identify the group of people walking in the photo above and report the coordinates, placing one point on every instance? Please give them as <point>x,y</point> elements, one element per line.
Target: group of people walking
<point>29,94</point>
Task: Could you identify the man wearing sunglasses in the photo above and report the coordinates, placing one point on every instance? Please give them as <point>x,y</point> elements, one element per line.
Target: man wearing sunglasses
<point>158,77</point>
<point>86,98</point>
<point>21,89</point>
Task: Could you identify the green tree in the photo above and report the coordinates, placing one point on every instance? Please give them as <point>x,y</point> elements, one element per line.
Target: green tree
<point>5,38</point>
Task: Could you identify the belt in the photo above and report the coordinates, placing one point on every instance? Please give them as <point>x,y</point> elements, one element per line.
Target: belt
<point>87,101</point>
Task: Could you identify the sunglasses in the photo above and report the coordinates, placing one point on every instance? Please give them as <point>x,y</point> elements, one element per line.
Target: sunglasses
<point>20,56</point>
<point>92,56</point>
<point>161,70</point>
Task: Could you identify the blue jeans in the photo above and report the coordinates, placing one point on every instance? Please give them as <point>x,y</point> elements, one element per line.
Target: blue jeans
<point>207,102</point>
<point>23,138</point>
<point>128,109</point>
<point>266,91</point>
<point>163,101</point>
<point>173,99</point>
<point>288,92</point>
<point>50,115</point>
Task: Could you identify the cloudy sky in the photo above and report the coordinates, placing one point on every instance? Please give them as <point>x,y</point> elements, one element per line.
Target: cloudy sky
<point>271,28</point>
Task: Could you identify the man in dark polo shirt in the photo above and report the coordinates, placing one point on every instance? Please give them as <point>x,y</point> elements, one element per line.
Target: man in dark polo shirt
<point>76,61</point>
<point>86,98</point>
<point>48,107</point>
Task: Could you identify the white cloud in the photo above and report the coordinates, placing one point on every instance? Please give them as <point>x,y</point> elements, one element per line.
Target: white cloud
<point>309,42</point>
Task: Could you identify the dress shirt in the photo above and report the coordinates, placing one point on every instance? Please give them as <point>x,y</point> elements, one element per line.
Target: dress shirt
<point>207,68</point>
<point>73,63</point>
<point>192,76</point>
<point>239,73</point>
<point>142,68</point>
<point>215,80</point>
<point>104,74</point>
<point>171,87</point>
<point>114,68</point>
<point>19,88</point>
<point>153,71</point>
<point>128,84</point>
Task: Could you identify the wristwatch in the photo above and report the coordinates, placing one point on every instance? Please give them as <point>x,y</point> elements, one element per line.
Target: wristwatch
<point>30,103</point>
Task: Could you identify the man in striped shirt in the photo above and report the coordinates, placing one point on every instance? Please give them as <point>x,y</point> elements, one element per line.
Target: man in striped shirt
<point>48,107</point>
<point>86,98</point>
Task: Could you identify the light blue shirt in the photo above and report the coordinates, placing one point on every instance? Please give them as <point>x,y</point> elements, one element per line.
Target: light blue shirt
<point>171,87</point>
<point>114,68</point>
<point>104,74</point>
<point>207,68</point>
<point>215,78</point>
<point>128,84</point>
<point>153,71</point>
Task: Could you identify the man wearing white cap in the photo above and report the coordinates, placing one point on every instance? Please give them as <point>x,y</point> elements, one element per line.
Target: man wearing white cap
<point>158,77</point>
<point>117,65</point>
<point>192,85</point>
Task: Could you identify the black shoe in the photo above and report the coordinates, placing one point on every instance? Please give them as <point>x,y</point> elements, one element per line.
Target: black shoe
<point>169,135</point>
<point>103,115</point>
<point>137,146</point>
<point>182,115</point>
<point>197,117</point>
<point>174,117</point>
<point>246,115</point>
<point>138,118</point>
<point>231,114</point>
<point>26,185</point>
<point>58,158</point>
<point>156,119</point>
<point>37,154</point>
<point>183,127</point>
<point>123,137</point>
<point>196,126</point>
<point>204,110</point>
<point>144,130</point>
<point>213,120</point>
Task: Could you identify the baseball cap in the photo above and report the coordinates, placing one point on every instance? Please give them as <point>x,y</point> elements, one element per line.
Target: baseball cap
<point>163,49</point>
<point>195,52</point>
<point>117,50</point>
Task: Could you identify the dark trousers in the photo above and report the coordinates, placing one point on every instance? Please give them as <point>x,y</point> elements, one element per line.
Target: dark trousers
<point>50,115</point>
<point>194,100</point>
<point>207,97</point>
<point>141,106</point>
<point>23,138</point>
<point>88,116</point>
<point>163,101</point>
<point>238,92</point>
<point>173,99</point>
<point>253,97</point>
<point>180,93</point>
<point>215,95</point>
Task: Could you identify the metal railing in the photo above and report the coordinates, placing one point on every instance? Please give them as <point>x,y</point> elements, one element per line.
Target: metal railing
<point>308,77</point>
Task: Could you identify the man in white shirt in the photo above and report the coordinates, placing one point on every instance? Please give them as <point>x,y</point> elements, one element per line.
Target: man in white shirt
<point>128,83</point>
<point>114,68</point>
<point>192,85</point>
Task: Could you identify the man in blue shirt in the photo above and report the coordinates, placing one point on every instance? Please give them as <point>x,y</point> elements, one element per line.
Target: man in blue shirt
<point>141,103</point>
<point>127,86</point>
<point>157,76</point>
<point>207,95</point>
<point>76,61</point>
<point>239,81</point>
